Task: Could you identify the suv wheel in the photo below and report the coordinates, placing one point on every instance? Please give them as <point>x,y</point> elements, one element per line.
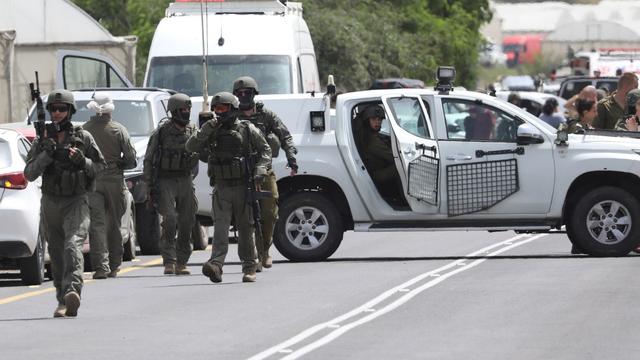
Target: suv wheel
<point>147,229</point>
<point>606,222</point>
<point>130,243</point>
<point>309,228</point>
<point>32,267</point>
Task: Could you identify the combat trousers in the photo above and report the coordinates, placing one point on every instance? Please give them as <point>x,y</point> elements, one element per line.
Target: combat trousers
<point>66,223</point>
<point>107,204</point>
<point>268,216</point>
<point>177,205</point>
<point>230,201</point>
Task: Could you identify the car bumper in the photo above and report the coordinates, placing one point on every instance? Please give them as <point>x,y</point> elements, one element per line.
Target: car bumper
<point>19,222</point>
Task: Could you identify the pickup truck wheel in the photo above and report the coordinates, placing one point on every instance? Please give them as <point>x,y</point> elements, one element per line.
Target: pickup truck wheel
<point>606,222</point>
<point>309,228</point>
<point>147,229</point>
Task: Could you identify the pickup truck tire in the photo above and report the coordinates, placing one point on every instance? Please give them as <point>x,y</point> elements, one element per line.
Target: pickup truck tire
<point>309,227</point>
<point>605,222</point>
<point>199,236</point>
<point>147,229</point>
<point>32,267</point>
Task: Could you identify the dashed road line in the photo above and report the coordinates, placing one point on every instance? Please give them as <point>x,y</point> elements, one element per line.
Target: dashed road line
<point>369,311</point>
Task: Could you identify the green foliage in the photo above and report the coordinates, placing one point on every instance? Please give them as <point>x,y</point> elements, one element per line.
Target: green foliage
<point>355,40</point>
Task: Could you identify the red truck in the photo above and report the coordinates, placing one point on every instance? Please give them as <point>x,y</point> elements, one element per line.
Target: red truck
<point>521,49</point>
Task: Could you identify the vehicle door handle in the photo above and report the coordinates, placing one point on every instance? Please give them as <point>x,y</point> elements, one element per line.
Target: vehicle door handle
<point>459,157</point>
<point>409,151</point>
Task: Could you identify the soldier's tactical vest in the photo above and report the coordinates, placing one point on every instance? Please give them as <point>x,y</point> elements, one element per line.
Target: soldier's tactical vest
<point>175,160</point>
<point>226,159</point>
<point>261,119</point>
<point>62,177</point>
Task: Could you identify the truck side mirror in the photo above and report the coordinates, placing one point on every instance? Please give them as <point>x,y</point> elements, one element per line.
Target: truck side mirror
<point>528,134</point>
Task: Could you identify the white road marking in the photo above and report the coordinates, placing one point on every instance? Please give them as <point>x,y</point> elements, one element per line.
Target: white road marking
<point>434,277</point>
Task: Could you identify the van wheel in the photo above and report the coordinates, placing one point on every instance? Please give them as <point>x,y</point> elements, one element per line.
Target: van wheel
<point>309,228</point>
<point>32,267</point>
<point>199,236</point>
<point>606,222</point>
<point>148,229</point>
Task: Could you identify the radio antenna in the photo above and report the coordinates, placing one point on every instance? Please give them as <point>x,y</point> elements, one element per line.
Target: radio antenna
<point>204,11</point>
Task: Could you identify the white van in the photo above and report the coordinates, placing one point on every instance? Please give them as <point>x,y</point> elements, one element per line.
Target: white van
<point>267,40</point>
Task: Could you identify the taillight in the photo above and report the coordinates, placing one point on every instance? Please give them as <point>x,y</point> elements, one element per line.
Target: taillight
<point>14,180</point>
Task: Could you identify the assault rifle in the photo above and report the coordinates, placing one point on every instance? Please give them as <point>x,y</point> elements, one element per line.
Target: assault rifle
<point>39,123</point>
<point>253,192</point>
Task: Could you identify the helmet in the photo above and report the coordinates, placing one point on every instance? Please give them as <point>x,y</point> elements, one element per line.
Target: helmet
<point>246,100</point>
<point>373,111</point>
<point>245,82</point>
<point>632,98</point>
<point>177,102</point>
<point>227,98</point>
<point>61,96</point>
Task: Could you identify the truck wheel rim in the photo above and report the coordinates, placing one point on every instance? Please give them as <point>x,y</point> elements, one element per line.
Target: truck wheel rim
<point>609,222</point>
<point>307,228</point>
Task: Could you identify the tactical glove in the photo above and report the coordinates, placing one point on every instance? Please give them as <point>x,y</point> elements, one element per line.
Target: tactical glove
<point>291,162</point>
<point>203,117</point>
<point>48,145</point>
<point>209,127</point>
<point>77,158</point>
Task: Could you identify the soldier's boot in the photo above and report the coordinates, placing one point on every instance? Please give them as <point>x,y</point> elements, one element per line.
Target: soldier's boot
<point>212,271</point>
<point>249,277</point>
<point>113,273</point>
<point>169,269</point>
<point>100,274</point>
<point>267,261</point>
<point>59,311</point>
<point>72,303</point>
<point>182,269</point>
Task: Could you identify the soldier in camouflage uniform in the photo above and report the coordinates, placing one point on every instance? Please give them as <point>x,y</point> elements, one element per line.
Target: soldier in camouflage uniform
<point>231,146</point>
<point>587,112</point>
<point>277,135</point>
<point>168,173</point>
<point>68,160</point>
<point>108,201</point>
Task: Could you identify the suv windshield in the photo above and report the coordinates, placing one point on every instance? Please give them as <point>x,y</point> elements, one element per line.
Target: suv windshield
<point>184,73</point>
<point>134,115</point>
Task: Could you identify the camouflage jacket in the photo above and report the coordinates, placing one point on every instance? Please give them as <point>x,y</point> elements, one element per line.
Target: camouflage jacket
<point>115,144</point>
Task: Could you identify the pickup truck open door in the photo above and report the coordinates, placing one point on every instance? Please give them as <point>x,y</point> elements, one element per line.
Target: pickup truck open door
<point>78,70</point>
<point>415,150</point>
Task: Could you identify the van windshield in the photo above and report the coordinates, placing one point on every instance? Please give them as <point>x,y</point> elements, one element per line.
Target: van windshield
<point>184,73</point>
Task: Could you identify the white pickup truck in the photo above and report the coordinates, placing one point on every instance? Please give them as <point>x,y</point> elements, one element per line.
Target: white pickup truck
<point>466,161</point>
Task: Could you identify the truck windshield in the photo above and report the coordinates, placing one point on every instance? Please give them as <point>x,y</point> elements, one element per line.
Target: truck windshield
<point>133,115</point>
<point>184,73</point>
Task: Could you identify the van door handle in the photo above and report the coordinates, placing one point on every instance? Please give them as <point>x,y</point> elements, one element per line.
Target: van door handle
<point>459,157</point>
<point>409,151</point>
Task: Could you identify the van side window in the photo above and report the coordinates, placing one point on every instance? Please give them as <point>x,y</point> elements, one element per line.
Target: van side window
<point>308,73</point>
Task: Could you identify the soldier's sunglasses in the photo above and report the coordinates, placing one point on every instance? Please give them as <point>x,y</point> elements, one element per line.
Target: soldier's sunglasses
<point>221,108</point>
<point>244,92</point>
<point>59,108</point>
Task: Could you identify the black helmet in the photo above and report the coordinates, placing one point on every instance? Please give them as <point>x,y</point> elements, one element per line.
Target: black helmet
<point>176,103</point>
<point>225,98</point>
<point>62,96</point>
<point>632,98</point>
<point>245,82</point>
<point>246,98</point>
<point>373,111</point>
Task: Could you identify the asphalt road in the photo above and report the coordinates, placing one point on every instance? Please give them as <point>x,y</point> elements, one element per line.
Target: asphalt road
<point>440,295</point>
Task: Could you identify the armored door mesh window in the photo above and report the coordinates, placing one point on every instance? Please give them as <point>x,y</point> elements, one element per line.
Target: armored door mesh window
<point>423,179</point>
<point>479,186</point>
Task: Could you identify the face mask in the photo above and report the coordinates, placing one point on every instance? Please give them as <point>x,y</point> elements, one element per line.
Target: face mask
<point>182,117</point>
<point>226,117</point>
